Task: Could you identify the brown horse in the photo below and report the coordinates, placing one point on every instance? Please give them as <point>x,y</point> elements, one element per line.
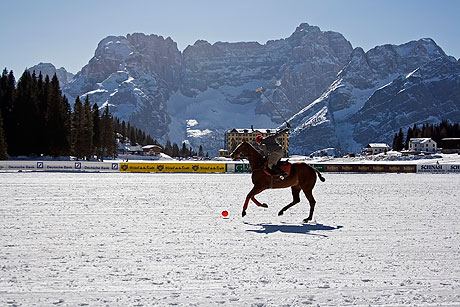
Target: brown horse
<point>302,177</point>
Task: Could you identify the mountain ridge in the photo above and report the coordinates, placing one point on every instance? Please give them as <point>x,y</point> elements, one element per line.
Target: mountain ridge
<point>314,77</point>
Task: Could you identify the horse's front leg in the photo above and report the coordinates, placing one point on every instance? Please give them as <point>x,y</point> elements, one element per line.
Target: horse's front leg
<point>255,190</point>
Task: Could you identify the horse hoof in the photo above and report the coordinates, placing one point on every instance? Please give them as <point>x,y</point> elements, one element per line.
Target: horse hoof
<point>264,205</point>
<point>306,220</point>
<point>243,213</point>
<point>280,213</point>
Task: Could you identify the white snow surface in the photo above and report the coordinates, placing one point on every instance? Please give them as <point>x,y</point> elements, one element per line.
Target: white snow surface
<point>125,239</point>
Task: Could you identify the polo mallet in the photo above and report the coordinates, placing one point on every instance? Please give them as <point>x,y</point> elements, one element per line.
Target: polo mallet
<point>260,89</point>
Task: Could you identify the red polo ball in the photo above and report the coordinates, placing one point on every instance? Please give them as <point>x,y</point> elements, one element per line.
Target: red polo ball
<point>224,213</point>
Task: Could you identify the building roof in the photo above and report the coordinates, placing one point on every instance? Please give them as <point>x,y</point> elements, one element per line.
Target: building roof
<point>421,140</point>
<point>377,145</point>
<point>150,146</point>
<point>242,130</point>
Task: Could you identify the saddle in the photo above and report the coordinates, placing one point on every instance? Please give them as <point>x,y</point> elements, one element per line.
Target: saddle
<point>283,165</point>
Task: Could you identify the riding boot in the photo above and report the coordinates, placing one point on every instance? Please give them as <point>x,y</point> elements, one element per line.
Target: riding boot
<point>280,171</point>
<point>271,171</point>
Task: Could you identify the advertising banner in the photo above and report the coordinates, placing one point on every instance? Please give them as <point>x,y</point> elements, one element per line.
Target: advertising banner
<point>438,168</point>
<point>242,168</point>
<point>59,166</point>
<point>319,167</point>
<point>19,165</point>
<point>369,168</point>
<point>174,167</point>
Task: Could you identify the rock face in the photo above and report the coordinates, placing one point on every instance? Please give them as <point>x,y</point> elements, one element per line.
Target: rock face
<point>429,94</point>
<point>198,94</point>
<point>135,75</point>
<point>335,97</point>
<point>49,69</point>
<point>371,98</point>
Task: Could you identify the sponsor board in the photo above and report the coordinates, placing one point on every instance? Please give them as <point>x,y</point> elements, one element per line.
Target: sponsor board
<point>20,165</point>
<point>319,167</point>
<point>242,168</point>
<point>438,168</point>
<point>368,168</point>
<point>174,167</point>
<point>59,166</point>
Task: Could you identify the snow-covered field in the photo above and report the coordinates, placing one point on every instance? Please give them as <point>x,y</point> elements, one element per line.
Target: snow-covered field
<point>122,239</point>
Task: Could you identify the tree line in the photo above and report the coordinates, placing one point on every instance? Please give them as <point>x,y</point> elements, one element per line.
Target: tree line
<point>173,150</point>
<point>132,134</point>
<point>36,119</point>
<point>435,132</point>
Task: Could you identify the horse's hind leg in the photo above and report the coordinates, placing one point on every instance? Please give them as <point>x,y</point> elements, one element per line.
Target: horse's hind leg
<point>295,199</point>
<point>258,203</point>
<point>309,194</point>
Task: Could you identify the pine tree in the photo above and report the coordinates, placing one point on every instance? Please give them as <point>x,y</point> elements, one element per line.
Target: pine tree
<point>7,100</point>
<point>132,135</point>
<point>168,148</point>
<point>200,151</point>
<point>398,141</point>
<point>87,129</point>
<point>96,131</point>
<point>58,120</point>
<point>184,150</point>
<point>77,129</point>
<point>123,129</point>
<point>394,144</point>
<point>108,141</point>
<point>410,135</point>
<point>3,145</point>
<point>43,91</point>
<point>24,110</point>
<point>175,150</point>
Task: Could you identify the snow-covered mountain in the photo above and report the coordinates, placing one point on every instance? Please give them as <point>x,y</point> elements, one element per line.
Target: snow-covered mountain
<point>197,94</point>
<point>376,94</point>
<point>336,97</point>
<point>135,75</point>
<point>49,69</point>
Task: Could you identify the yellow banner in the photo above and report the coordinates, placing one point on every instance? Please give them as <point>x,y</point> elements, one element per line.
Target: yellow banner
<point>173,167</point>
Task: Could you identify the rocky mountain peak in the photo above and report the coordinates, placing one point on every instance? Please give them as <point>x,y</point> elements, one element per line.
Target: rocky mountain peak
<point>305,27</point>
<point>48,69</point>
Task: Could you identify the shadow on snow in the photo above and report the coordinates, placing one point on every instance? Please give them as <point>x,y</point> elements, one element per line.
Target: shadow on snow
<point>302,229</point>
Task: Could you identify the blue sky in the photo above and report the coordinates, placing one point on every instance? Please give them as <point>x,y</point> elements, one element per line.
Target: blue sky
<point>66,33</point>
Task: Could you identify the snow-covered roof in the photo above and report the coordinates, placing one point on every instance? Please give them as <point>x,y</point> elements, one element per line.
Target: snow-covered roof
<point>378,145</point>
<point>249,130</point>
<point>150,146</point>
<point>420,140</point>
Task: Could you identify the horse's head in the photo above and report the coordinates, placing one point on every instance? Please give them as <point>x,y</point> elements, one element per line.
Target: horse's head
<point>240,150</point>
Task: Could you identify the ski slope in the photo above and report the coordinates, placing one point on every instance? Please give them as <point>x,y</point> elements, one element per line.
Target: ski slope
<point>122,239</point>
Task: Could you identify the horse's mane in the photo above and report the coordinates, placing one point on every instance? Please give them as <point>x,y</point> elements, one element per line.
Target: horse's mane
<point>254,151</point>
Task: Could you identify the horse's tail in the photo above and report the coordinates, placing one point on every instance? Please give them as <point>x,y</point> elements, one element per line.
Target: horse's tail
<point>319,175</point>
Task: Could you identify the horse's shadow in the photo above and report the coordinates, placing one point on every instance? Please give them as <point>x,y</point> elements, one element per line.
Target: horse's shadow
<point>289,228</point>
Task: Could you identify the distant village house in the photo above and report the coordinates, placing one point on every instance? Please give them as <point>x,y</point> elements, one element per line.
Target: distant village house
<point>376,148</point>
<point>152,150</point>
<point>426,145</point>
